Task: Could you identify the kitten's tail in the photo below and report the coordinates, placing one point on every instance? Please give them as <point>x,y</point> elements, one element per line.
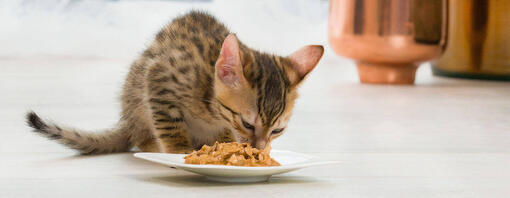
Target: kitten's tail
<point>109,141</point>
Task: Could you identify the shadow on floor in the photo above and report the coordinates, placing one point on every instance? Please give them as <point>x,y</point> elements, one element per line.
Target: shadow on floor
<point>201,181</point>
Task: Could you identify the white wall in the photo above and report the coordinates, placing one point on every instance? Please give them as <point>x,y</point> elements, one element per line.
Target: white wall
<point>121,29</point>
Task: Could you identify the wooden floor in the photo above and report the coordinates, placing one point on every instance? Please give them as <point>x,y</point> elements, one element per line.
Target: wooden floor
<point>439,138</point>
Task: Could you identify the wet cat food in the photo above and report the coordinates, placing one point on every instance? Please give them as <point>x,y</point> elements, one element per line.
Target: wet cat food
<point>231,154</point>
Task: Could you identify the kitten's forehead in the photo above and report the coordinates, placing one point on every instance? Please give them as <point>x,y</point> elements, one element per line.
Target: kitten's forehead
<point>269,79</point>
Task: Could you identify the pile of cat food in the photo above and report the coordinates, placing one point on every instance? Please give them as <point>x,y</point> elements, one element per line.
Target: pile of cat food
<point>231,154</point>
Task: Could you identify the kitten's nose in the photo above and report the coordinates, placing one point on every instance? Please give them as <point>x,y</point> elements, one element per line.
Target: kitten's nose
<point>260,143</point>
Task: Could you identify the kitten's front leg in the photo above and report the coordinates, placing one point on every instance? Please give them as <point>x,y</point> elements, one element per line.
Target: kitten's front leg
<point>167,115</point>
<point>170,128</point>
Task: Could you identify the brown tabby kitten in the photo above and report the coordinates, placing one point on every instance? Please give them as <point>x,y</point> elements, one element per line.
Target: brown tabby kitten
<point>197,84</point>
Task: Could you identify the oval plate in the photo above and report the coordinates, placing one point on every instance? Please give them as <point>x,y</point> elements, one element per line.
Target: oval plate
<point>289,161</point>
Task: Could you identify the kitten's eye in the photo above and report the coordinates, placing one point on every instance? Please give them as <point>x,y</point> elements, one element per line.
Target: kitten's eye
<point>247,125</point>
<point>276,131</point>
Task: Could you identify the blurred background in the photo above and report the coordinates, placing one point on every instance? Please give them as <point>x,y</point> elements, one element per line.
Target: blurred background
<point>122,28</point>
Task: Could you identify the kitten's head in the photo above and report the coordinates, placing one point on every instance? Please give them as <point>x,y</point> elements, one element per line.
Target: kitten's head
<point>256,91</point>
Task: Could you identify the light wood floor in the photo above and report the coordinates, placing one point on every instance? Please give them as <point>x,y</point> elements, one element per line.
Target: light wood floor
<point>439,138</point>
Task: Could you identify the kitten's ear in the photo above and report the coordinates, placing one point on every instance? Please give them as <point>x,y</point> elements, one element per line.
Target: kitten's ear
<point>228,66</point>
<point>305,59</point>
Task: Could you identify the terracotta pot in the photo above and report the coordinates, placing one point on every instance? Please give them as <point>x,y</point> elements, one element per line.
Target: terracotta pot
<point>388,39</point>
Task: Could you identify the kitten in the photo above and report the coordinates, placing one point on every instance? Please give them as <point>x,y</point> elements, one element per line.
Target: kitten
<point>197,84</point>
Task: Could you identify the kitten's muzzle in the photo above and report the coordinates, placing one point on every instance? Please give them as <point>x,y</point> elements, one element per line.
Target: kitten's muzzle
<point>260,143</point>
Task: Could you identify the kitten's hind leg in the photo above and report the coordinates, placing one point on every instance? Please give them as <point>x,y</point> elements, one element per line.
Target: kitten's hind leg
<point>150,145</point>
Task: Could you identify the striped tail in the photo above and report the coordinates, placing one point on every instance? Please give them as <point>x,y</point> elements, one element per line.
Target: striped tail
<point>108,141</point>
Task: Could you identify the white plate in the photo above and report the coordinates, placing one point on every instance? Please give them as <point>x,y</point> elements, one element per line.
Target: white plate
<point>289,161</point>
